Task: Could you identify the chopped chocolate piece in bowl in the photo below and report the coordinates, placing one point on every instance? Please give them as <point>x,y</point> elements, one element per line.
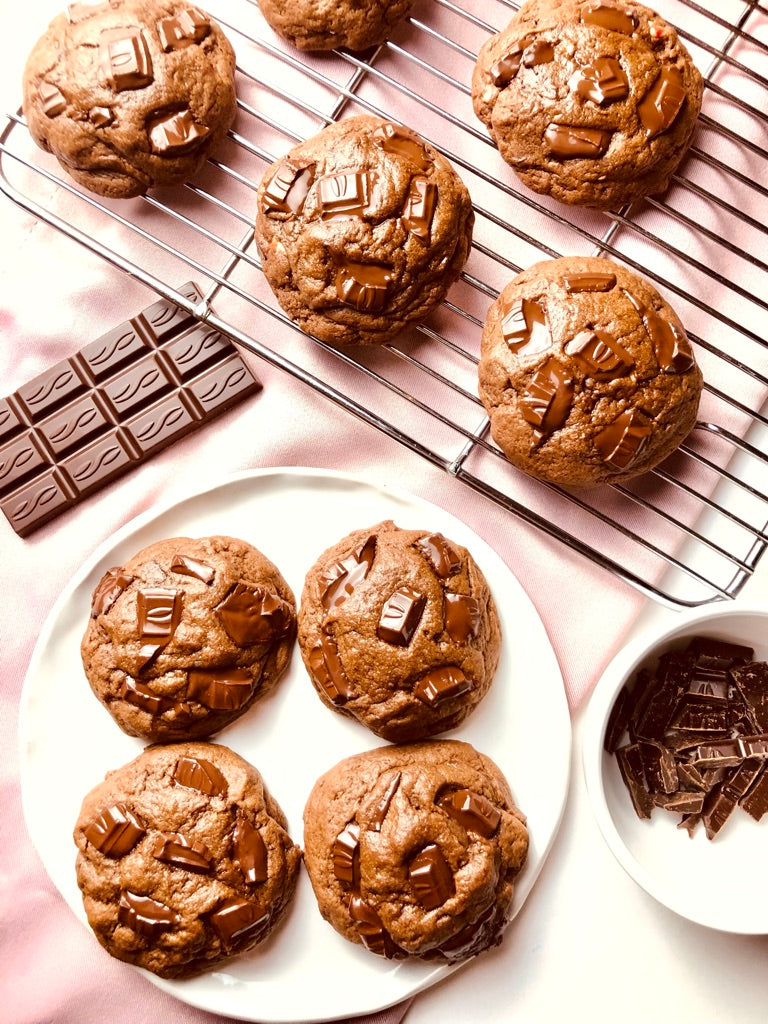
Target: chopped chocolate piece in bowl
<point>675,755</point>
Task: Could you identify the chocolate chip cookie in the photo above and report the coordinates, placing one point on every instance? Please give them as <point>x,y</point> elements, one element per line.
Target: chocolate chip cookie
<point>586,373</point>
<point>414,850</point>
<point>184,859</point>
<point>398,629</point>
<point>362,229</point>
<point>186,635</point>
<point>329,24</point>
<point>129,95</point>
<point>593,103</point>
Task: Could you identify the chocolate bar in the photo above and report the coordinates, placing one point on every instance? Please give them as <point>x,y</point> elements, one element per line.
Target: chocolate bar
<point>118,401</point>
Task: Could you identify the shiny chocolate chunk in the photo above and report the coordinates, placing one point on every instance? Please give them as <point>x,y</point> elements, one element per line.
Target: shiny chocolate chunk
<point>340,579</point>
<point>401,615</point>
<point>571,141</point>
<point>186,566</point>
<point>237,921</point>
<point>704,713</point>
<point>328,672</point>
<point>475,936</point>
<point>755,803</point>
<point>752,683</point>
<point>254,615</point>
<point>539,51</point>
<point>101,117</point>
<point>158,613</point>
<point>528,51</point>
<point>462,616</point>
<point>680,802</point>
<point>142,697</point>
<point>52,99</point>
<point>250,852</point>
<point>108,589</point>
<point>145,916</point>
<point>621,442</point>
<point>441,554</point>
<point>442,684</point>
<point>602,82</point>
<point>222,689</point>
<point>419,209</point>
<point>197,773</point>
<point>125,59</point>
<point>346,855</point>
<point>187,27</point>
<point>659,767</point>
<point>431,877</point>
<point>630,764</point>
<point>364,286</point>
<point>404,143</point>
<point>546,401</point>
<point>177,133</point>
<point>673,351</point>
<point>115,831</point>
<point>287,189</point>
<point>379,812</point>
<point>370,928</point>
<point>180,852</point>
<point>611,16</point>
<point>601,355</point>
<point>587,282</point>
<point>524,326</point>
<point>343,195</point>
<point>662,103</point>
<point>471,810</point>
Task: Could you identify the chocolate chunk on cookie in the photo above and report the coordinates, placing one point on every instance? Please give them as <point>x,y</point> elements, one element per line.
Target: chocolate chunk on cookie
<point>414,850</point>
<point>129,95</point>
<point>330,24</point>
<point>398,629</point>
<point>184,859</point>
<point>591,102</point>
<point>586,373</point>
<point>187,635</point>
<point>362,229</point>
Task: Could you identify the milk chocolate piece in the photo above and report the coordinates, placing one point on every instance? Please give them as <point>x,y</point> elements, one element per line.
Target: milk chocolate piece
<point>441,554</point>
<point>341,578</point>
<point>527,51</point>
<point>570,142</point>
<point>143,385</point>
<point>197,773</point>
<point>254,615</point>
<point>419,208</point>
<point>158,613</point>
<point>176,133</point>
<point>671,346</point>
<point>140,695</point>
<point>186,566</point>
<point>328,672</point>
<point>250,852</point>
<point>601,355</point>
<point>621,442</point>
<point>659,108</point>
<point>404,143</point>
<point>52,99</point>
<point>343,195</point>
<point>442,684</point>
<point>610,16</point>
<point>179,851</point>
<point>379,812</point>
<point>287,189</point>
<point>187,27</point>
<point>462,616</point>
<point>524,327</point>
<point>401,615</point>
<point>364,285</point>
<point>589,282</point>
<point>125,59</point>
<point>224,689</point>
<point>473,811</point>
<point>115,831</point>
<point>237,921</point>
<point>540,51</point>
<point>546,401</point>
<point>145,916</point>
<point>370,928</point>
<point>431,877</point>
<point>108,589</point>
<point>346,855</point>
<point>602,82</point>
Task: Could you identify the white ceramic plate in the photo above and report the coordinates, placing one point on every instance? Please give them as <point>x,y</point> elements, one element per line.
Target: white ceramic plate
<point>720,882</point>
<point>306,971</point>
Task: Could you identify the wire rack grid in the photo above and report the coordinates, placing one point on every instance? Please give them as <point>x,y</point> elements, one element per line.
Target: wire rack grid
<point>690,532</point>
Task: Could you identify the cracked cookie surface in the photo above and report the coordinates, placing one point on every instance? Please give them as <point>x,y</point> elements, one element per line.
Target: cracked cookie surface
<point>187,635</point>
<point>398,629</point>
<point>184,859</point>
<point>130,95</point>
<point>414,850</point>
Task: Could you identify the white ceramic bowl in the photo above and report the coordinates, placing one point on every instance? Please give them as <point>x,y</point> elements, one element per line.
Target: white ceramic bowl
<point>720,883</point>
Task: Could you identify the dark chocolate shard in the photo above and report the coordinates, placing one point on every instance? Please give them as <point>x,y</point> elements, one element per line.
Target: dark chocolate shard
<point>630,763</point>
<point>145,916</point>
<point>222,689</point>
<point>238,922</point>
<point>254,615</point>
<point>328,672</point>
<point>400,616</point>
<point>380,809</point>
<point>186,566</point>
<point>473,811</point>
<point>250,852</point>
<point>444,557</point>
<point>545,403</point>
<point>108,589</point>
<point>179,851</point>
<point>524,327</point>
<point>370,928</point>
<point>115,831</point>
<point>660,107</point>
<point>442,684</point>
<point>752,683</point>
<point>419,209</point>
<point>462,617</point>
<point>659,767</point>
<point>340,579</point>
<point>346,856</point>
<point>200,774</point>
<point>431,877</point>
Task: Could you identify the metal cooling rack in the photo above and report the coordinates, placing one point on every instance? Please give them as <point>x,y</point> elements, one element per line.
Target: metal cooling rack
<point>688,533</point>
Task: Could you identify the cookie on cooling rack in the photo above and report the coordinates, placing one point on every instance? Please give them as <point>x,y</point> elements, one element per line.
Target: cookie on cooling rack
<point>592,103</point>
<point>129,95</point>
<point>362,229</point>
<point>586,373</point>
<point>398,629</point>
<point>184,859</point>
<point>414,850</point>
<point>187,635</point>
<point>330,24</point>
